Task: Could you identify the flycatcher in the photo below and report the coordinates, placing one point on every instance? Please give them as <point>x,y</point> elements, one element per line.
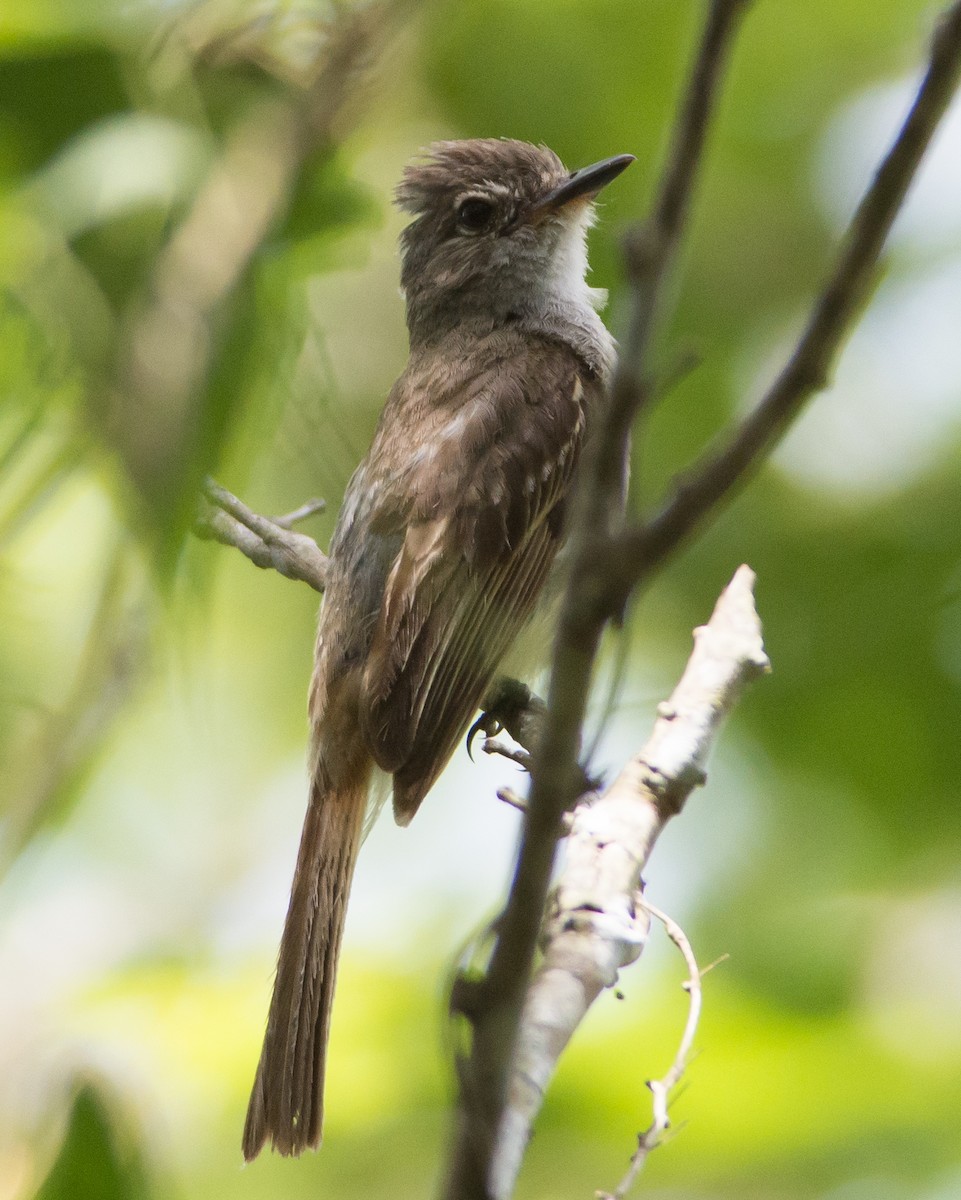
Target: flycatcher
<point>446,536</point>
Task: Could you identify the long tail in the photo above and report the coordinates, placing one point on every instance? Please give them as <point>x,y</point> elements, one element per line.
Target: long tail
<point>287,1101</point>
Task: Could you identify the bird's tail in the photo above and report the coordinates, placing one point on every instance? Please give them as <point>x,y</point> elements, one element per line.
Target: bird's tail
<point>286,1104</point>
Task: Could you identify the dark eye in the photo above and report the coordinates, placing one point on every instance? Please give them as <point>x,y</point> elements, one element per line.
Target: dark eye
<point>474,215</point>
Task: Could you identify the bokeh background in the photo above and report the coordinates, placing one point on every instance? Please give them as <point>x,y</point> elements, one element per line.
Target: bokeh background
<point>152,687</point>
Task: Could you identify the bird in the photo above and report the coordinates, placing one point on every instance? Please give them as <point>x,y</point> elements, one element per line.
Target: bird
<point>448,530</point>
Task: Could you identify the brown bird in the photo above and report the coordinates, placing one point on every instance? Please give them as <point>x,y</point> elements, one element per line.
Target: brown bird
<point>447,533</point>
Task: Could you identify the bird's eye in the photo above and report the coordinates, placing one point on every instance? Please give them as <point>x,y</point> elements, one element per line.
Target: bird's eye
<point>474,215</point>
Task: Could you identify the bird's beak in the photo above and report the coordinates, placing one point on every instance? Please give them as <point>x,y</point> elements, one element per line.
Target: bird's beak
<point>586,182</point>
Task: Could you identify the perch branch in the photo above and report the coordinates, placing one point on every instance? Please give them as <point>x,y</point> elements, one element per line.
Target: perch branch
<point>514,754</point>
<point>594,927</point>
<point>555,783</point>
<point>607,570</point>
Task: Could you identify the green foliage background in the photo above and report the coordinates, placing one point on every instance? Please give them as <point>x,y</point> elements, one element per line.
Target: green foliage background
<point>151,687</point>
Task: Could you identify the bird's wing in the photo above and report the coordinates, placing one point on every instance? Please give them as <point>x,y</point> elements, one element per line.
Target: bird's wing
<point>481,535</point>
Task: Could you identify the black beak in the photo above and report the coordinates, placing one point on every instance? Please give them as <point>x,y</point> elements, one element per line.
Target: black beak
<point>588,181</point>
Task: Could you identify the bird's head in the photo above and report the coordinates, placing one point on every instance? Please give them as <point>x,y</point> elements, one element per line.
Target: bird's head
<point>499,229</point>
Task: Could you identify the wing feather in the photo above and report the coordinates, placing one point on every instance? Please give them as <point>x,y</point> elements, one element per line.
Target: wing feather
<point>482,533</point>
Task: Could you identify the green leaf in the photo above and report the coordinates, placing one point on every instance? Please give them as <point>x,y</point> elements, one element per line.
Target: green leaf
<point>98,1159</point>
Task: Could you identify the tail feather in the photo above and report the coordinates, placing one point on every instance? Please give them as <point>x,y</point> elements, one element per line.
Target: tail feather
<point>286,1104</point>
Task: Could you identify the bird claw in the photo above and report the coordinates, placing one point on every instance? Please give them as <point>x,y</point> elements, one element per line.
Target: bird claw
<point>508,707</point>
<point>488,724</point>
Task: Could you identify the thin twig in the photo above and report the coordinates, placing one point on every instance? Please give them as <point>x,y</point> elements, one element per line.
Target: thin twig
<point>651,251</point>
<point>514,754</point>
<point>309,508</point>
<point>661,1089</point>
<point>511,798</point>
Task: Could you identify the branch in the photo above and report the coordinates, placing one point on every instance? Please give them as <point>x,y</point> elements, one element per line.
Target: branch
<point>609,562</point>
<point>268,542</point>
<point>500,995</point>
<point>651,251</point>
<point>636,552</point>
<point>594,928</point>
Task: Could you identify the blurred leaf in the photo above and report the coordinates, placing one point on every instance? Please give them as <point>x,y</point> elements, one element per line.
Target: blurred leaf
<point>35,118</point>
<point>328,202</point>
<point>98,1159</point>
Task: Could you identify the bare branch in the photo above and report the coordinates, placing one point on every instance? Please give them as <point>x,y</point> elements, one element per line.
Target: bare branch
<point>500,997</point>
<point>636,552</point>
<point>651,250</point>
<point>606,570</point>
<point>268,542</point>
<point>511,798</point>
<point>594,928</point>
<point>309,508</point>
<point>514,754</point>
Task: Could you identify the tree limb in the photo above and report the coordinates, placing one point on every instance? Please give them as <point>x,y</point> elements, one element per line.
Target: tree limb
<point>554,785</point>
<point>594,927</point>
<point>651,251</point>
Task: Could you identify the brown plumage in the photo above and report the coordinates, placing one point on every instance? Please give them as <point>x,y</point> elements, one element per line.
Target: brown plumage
<point>448,530</point>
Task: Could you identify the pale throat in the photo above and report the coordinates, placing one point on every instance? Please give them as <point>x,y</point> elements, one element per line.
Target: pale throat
<point>564,305</point>
<point>565,280</point>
